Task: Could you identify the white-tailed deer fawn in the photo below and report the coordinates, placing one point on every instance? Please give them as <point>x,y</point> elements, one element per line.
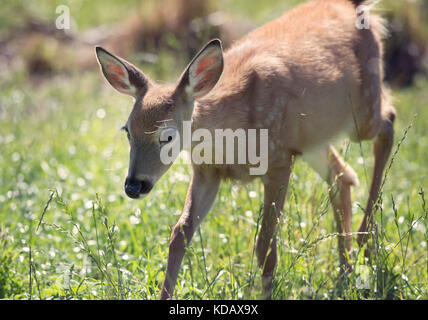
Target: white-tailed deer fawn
<point>307,77</point>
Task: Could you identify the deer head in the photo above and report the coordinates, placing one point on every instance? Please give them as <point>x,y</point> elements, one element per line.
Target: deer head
<point>158,113</point>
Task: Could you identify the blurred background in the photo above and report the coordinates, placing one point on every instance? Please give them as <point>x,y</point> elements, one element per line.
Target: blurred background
<point>67,230</point>
<point>145,30</point>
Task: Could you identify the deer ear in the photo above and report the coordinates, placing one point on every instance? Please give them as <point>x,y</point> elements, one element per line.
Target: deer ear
<point>122,75</point>
<point>204,71</point>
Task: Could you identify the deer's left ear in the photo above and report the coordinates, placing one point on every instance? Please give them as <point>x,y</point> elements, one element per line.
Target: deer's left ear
<point>122,75</point>
<point>204,71</point>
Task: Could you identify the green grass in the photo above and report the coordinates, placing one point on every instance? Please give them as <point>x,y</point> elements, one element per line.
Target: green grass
<point>67,231</point>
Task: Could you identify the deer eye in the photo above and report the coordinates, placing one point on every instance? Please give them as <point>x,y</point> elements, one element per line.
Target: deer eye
<point>125,128</point>
<point>167,135</point>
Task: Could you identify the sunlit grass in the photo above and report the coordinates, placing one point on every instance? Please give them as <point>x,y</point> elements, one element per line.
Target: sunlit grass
<point>67,231</point>
<point>93,242</point>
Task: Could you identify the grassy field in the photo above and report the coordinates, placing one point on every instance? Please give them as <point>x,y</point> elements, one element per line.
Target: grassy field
<point>67,230</point>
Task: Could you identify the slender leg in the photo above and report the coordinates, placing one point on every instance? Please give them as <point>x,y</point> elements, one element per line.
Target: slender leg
<point>275,189</point>
<point>381,148</point>
<point>200,196</point>
<point>340,176</point>
<point>343,177</point>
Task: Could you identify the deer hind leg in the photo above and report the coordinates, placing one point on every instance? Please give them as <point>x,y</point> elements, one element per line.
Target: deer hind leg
<point>373,115</point>
<point>275,189</point>
<point>340,176</point>
<point>381,148</point>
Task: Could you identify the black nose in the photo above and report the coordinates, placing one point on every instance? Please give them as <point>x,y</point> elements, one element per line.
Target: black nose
<point>133,187</point>
<point>146,186</point>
